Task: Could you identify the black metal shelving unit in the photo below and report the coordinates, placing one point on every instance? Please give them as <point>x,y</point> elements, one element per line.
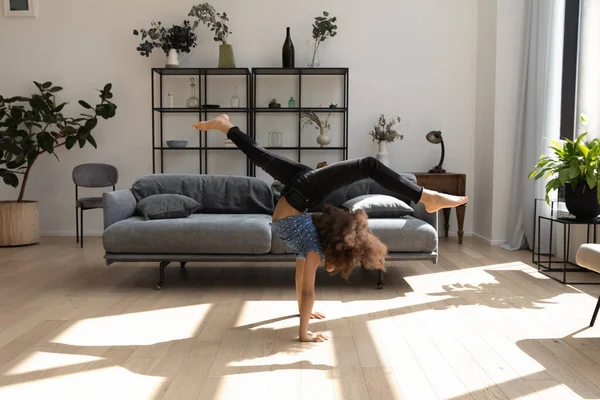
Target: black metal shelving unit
<point>251,111</point>
<point>202,75</point>
<point>299,73</point>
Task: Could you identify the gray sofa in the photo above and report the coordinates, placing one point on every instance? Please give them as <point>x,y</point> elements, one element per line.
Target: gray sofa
<point>234,223</point>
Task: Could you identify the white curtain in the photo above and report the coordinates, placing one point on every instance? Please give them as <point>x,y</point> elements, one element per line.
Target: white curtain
<point>539,114</point>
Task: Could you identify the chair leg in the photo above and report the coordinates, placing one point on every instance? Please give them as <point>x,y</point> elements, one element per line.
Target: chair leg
<point>595,312</point>
<point>77,223</point>
<point>81,226</point>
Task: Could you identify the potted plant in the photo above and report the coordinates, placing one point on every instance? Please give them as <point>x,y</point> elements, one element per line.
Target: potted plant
<point>217,23</point>
<point>30,127</point>
<point>173,41</point>
<point>323,126</point>
<point>576,166</point>
<point>323,28</point>
<point>383,132</point>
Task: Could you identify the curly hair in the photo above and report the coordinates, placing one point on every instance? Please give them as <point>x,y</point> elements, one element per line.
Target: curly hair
<point>347,240</point>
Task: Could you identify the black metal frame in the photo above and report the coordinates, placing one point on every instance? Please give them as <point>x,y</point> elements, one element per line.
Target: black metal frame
<point>566,222</point>
<point>79,215</point>
<point>570,68</point>
<point>595,312</point>
<point>202,75</point>
<point>300,72</point>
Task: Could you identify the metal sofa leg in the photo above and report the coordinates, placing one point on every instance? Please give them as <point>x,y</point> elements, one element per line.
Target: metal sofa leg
<point>161,281</point>
<point>380,280</point>
<point>595,312</point>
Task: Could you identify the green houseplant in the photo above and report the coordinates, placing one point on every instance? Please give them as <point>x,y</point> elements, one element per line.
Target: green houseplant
<point>576,166</point>
<point>217,23</point>
<point>32,126</point>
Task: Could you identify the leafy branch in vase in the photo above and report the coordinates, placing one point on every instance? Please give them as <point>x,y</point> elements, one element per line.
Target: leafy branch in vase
<point>215,21</point>
<point>323,28</point>
<point>383,131</point>
<point>309,117</point>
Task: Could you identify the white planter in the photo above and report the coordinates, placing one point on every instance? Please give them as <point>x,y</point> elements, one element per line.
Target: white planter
<point>383,155</point>
<point>172,59</point>
<point>323,139</point>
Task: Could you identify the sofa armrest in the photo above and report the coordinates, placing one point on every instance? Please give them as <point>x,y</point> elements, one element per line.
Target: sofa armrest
<point>430,218</point>
<point>118,205</point>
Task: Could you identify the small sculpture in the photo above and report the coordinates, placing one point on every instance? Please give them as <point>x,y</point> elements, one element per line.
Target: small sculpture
<point>274,104</point>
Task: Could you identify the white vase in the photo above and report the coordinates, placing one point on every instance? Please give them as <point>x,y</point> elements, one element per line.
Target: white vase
<point>383,155</point>
<point>173,59</point>
<point>323,139</point>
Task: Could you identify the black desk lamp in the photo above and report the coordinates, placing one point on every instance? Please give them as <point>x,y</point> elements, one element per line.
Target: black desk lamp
<point>435,137</point>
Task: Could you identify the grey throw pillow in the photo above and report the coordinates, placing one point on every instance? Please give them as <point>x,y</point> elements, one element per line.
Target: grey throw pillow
<point>379,206</point>
<point>166,206</point>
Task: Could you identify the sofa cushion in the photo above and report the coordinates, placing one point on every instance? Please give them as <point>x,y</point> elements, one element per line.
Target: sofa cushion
<point>406,234</point>
<point>197,234</point>
<point>360,188</point>
<point>379,206</point>
<point>166,206</point>
<point>215,193</point>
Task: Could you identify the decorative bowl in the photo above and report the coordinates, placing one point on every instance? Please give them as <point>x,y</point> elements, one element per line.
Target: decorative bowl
<point>177,143</point>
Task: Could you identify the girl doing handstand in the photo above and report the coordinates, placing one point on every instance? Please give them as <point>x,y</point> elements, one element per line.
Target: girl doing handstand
<point>338,237</point>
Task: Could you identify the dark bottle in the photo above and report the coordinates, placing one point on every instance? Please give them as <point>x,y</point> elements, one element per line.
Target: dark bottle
<point>288,55</point>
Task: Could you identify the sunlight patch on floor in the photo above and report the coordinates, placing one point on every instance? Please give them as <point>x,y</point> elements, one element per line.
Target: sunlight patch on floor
<point>106,383</point>
<point>41,360</point>
<point>142,328</point>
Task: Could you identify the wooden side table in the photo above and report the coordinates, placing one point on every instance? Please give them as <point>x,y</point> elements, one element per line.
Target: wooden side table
<point>454,184</point>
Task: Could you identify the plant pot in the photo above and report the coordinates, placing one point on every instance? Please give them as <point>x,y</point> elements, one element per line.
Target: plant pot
<point>582,202</point>
<point>172,59</point>
<point>383,155</point>
<point>19,223</point>
<point>226,57</point>
<point>323,139</point>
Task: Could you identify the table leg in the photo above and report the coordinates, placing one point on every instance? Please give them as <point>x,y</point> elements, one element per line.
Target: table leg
<point>460,217</point>
<point>446,221</point>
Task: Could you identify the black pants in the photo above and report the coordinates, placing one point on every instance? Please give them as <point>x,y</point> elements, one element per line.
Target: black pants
<point>306,187</point>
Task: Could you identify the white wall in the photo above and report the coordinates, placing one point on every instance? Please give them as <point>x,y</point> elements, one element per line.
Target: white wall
<point>500,51</point>
<point>484,118</point>
<point>414,59</point>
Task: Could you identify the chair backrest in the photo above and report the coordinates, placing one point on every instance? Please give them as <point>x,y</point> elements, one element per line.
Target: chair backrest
<point>95,175</point>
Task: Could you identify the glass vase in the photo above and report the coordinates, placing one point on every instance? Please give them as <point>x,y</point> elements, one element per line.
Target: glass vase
<point>275,138</point>
<point>192,102</point>
<point>235,100</point>
<point>313,57</point>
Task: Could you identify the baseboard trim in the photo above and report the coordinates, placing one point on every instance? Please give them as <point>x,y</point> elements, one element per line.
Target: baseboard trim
<point>489,241</point>
<point>70,233</point>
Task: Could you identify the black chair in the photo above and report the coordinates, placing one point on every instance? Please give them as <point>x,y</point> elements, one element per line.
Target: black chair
<point>91,175</point>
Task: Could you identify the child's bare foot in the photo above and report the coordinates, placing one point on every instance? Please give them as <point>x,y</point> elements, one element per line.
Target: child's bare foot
<point>220,123</point>
<point>314,337</point>
<point>434,201</point>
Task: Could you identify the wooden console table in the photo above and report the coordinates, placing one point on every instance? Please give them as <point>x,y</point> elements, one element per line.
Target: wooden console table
<point>449,183</point>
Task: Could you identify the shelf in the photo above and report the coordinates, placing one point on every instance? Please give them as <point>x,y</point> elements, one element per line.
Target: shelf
<point>202,71</point>
<point>305,148</point>
<point>177,148</point>
<point>300,71</point>
<point>295,110</point>
<point>200,110</point>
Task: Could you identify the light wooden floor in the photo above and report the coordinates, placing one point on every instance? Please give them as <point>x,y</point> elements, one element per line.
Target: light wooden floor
<point>482,324</point>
